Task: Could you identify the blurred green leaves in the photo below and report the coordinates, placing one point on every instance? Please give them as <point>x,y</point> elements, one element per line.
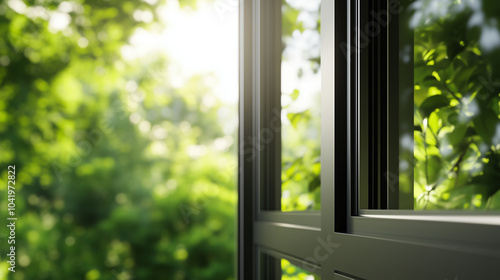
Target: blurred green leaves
<point>292,272</point>
<point>107,149</point>
<point>457,112</point>
<point>301,121</point>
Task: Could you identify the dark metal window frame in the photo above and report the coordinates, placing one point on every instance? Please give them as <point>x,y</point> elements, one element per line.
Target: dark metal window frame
<point>368,244</point>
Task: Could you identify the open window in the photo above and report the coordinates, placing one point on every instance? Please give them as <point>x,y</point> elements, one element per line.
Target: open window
<point>404,183</point>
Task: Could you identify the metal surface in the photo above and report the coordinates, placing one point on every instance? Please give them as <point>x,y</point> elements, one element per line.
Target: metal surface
<point>342,241</point>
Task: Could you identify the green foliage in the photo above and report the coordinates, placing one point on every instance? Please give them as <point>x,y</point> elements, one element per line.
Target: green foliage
<point>301,166</point>
<point>289,19</point>
<point>117,174</point>
<point>457,125</point>
<point>292,272</point>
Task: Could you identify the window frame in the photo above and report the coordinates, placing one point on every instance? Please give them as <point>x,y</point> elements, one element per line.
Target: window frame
<point>372,244</point>
<point>260,62</point>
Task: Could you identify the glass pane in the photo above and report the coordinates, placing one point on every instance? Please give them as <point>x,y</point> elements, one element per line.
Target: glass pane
<point>449,148</point>
<point>292,272</point>
<point>300,115</point>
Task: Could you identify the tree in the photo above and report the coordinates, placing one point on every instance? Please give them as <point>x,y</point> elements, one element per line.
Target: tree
<point>118,176</point>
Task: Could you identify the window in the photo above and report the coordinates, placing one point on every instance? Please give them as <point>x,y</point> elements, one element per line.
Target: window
<point>409,110</point>
<point>300,102</point>
<point>449,145</point>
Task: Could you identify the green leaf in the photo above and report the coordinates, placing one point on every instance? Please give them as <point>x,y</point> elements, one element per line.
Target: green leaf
<point>457,135</point>
<point>434,167</point>
<point>294,94</point>
<point>296,118</point>
<point>485,124</point>
<point>432,103</point>
<point>494,201</point>
<point>431,81</point>
<point>435,122</point>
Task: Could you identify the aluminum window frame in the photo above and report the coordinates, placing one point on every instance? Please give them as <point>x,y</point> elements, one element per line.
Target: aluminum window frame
<point>369,244</point>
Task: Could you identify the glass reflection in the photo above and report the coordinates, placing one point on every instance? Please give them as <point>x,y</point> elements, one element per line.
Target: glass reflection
<point>455,146</point>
